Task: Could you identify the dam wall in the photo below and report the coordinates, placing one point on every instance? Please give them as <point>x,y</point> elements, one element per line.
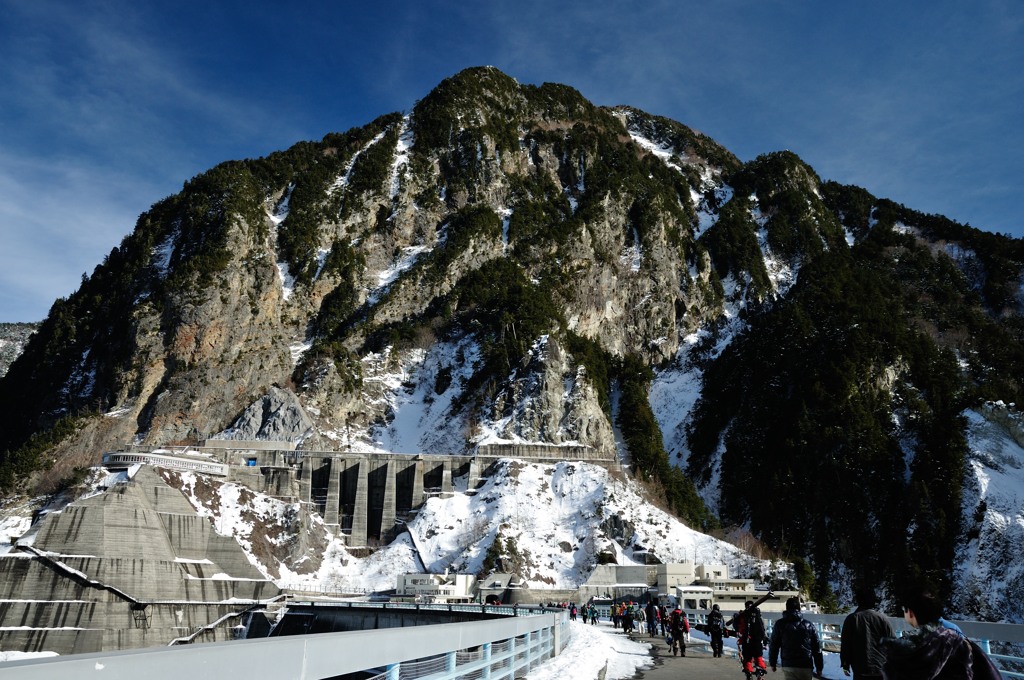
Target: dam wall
<point>366,498</point>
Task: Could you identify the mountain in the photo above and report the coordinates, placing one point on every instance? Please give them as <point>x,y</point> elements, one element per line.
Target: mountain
<point>510,263</point>
<point>13,337</point>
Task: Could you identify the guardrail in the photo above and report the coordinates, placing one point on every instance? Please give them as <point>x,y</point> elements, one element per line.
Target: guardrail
<point>501,648</point>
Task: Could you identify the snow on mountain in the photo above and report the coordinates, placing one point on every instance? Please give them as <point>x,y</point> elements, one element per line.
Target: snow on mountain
<point>991,583</point>
<point>548,523</point>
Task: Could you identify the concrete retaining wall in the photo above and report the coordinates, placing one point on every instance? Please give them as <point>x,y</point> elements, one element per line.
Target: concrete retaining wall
<point>130,546</point>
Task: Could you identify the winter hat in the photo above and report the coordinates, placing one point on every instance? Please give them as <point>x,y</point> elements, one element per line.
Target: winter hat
<point>793,604</point>
<point>715,607</point>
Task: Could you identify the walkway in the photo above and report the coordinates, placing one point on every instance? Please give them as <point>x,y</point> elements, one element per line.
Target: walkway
<point>697,664</point>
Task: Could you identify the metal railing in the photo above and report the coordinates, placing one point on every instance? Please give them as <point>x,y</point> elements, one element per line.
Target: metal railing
<point>498,649</point>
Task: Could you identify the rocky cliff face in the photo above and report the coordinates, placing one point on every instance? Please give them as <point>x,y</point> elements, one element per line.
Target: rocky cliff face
<point>13,337</point>
<point>510,263</point>
<point>286,271</point>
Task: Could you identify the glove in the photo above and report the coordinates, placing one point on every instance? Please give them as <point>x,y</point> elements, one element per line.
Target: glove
<point>846,672</point>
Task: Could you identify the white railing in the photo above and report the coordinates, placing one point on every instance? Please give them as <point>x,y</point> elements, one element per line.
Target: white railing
<point>499,649</point>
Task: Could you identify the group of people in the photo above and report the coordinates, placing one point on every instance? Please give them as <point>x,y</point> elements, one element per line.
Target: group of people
<point>627,615</point>
<point>585,613</point>
<point>934,649</point>
<point>657,619</point>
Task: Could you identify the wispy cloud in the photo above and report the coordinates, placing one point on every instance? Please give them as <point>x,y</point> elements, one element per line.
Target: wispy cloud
<point>111,105</point>
<point>99,121</point>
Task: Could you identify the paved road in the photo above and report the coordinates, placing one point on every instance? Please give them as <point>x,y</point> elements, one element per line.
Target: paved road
<point>698,663</point>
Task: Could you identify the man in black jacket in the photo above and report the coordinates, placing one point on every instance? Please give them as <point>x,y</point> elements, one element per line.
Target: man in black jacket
<point>797,640</point>
<point>716,629</point>
<point>862,634</point>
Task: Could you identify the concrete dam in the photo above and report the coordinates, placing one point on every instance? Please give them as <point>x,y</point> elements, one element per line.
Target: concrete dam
<point>136,566</point>
<point>366,498</point>
<point>132,567</point>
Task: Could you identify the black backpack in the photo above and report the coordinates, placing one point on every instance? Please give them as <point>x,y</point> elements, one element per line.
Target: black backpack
<point>716,623</point>
<point>755,625</point>
<point>982,667</point>
<point>676,619</point>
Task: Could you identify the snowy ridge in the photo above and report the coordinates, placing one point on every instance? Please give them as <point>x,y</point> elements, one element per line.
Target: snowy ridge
<point>707,213</point>
<point>342,181</point>
<point>417,396</point>
<point>990,571</point>
<point>162,253</point>
<point>279,215</point>
<point>408,258</point>
<point>404,145</point>
<point>780,273</point>
<point>663,151</point>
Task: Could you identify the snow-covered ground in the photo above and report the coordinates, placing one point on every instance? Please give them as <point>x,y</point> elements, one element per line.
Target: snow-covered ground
<point>556,518</point>
<point>592,648</point>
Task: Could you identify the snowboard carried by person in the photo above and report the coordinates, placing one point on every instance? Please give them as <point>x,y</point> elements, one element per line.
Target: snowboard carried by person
<point>751,637</point>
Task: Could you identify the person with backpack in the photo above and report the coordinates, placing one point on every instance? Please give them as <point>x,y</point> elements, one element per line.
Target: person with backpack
<point>931,650</point>
<point>651,616</point>
<point>750,640</point>
<point>861,638</point>
<point>797,641</point>
<point>628,617</point>
<point>678,627</point>
<point>716,630</point>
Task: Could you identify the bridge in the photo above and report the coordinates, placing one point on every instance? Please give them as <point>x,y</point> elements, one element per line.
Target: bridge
<point>501,648</point>
<point>490,643</point>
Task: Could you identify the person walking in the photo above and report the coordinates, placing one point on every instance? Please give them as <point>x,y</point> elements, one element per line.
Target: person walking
<point>627,620</point>
<point>750,639</point>
<point>678,627</point>
<point>652,619</point>
<point>861,639</point>
<point>716,630</point>
<point>930,649</point>
<point>797,641</point>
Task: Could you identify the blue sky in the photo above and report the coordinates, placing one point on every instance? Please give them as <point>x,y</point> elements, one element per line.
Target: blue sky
<point>107,107</point>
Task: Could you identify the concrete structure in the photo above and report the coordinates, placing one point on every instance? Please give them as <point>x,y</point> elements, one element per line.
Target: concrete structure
<point>436,587</point>
<point>730,594</point>
<point>637,582</point>
<point>131,567</point>
<point>697,586</point>
<point>364,497</point>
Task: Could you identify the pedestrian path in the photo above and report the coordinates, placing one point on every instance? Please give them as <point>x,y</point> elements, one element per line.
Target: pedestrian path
<point>698,662</point>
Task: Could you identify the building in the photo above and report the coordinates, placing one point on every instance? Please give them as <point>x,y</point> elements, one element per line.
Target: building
<point>694,586</point>
<point>436,587</point>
